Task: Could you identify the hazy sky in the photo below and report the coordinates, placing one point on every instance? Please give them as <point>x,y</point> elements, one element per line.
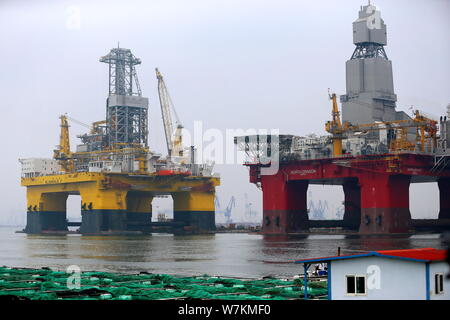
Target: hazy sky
<point>232,64</point>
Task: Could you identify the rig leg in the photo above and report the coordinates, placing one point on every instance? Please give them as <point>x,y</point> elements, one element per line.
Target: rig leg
<point>45,211</point>
<point>352,203</point>
<point>385,203</point>
<point>444,198</point>
<point>103,210</point>
<point>195,210</point>
<point>139,211</point>
<point>284,205</point>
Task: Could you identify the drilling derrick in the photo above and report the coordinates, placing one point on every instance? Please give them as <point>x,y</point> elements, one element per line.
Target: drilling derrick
<point>370,92</point>
<point>126,109</point>
<point>115,172</point>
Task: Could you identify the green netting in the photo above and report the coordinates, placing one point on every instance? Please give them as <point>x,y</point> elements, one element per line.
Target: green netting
<point>46,284</point>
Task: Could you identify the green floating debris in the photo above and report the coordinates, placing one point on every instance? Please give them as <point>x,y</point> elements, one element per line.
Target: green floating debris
<point>46,284</point>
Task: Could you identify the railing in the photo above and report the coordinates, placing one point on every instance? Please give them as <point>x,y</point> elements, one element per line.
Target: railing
<point>440,163</point>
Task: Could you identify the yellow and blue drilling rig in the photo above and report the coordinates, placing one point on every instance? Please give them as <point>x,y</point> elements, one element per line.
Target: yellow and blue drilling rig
<point>115,172</point>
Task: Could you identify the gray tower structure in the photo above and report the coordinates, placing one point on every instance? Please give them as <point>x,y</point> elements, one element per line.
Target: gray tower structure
<point>370,87</point>
<point>126,109</point>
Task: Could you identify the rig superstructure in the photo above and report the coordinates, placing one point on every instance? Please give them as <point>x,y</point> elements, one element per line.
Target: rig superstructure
<point>374,152</point>
<point>115,172</point>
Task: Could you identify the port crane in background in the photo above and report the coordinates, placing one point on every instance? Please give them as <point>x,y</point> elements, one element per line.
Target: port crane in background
<point>174,138</point>
<point>228,210</point>
<point>249,212</point>
<point>317,209</point>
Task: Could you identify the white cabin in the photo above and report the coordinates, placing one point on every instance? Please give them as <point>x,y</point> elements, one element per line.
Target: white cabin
<point>412,274</point>
<point>35,167</point>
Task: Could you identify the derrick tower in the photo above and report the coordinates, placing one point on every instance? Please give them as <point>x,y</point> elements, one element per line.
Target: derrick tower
<point>370,92</point>
<point>126,109</point>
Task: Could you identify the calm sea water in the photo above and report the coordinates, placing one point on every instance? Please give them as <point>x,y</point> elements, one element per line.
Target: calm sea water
<point>224,254</point>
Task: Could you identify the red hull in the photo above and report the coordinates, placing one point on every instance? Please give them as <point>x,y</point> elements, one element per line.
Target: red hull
<point>376,191</point>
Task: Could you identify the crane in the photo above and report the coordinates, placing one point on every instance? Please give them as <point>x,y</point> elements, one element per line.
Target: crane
<point>63,153</point>
<point>335,126</point>
<point>248,208</point>
<point>317,209</point>
<point>227,211</point>
<point>173,138</point>
<point>426,130</point>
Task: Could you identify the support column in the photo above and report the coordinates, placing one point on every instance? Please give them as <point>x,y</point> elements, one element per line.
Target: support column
<point>139,211</point>
<point>102,210</point>
<point>195,210</point>
<point>45,211</point>
<point>284,205</point>
<point>444,198</point>
<point>385,203</point>
<point>352,203</point>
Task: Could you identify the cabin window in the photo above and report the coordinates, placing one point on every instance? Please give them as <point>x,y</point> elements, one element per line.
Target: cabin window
<point>356,285</point>
<point>439,283</point>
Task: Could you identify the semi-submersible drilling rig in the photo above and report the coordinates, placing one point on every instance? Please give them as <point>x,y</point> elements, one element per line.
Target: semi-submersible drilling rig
<point>114,171</point>
<point>375,152</point>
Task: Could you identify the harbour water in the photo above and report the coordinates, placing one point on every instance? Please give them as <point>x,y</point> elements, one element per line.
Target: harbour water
<point>222,254</point>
